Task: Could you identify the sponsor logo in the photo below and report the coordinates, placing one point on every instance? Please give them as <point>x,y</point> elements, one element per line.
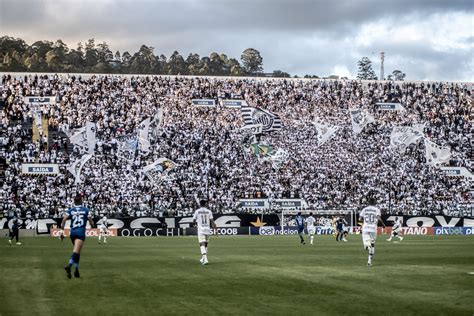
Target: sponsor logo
<point>225,231</point>
<point>92,232</point>
<point>266,231</point>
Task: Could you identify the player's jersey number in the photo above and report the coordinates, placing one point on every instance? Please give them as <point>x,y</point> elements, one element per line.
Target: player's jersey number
<point>77,221</point>
<point>369,218</point>
<point>204,220</point>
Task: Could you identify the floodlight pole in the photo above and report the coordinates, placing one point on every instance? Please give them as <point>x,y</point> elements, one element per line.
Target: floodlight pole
<point>382,58</point>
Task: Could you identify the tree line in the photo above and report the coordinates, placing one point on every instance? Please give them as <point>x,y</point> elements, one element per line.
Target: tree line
<point>91,57</point>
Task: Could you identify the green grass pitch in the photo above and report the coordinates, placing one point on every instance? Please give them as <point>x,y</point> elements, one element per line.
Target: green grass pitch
<point>423,275</point>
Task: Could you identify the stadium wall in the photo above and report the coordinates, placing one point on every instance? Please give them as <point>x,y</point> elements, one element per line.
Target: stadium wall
<point>239,224</point>
<point>89,75</point>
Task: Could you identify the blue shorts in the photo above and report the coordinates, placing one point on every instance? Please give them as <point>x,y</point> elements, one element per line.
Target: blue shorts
<point>339,228</point>
<point>300,229</point>
<point>74,237</point>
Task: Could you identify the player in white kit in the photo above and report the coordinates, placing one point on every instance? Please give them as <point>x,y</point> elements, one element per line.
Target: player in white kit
<point>203,218</point>
<point>310,221</point>
<point>397,229</point>
<point>103,231</point>
<point>370,216</point>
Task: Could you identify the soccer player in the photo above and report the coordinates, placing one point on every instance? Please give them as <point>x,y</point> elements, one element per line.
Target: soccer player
<point>79,215</point>
<point>340,222</point>
<point>300,224</point>
<point>15,231</point>
<point>371,217</point>
<point>397,229</point>
<point>103,231</point>
<point>203,218</point>
<point>310,221</point>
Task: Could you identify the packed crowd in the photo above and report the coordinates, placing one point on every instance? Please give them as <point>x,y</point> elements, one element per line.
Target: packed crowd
<point>212,161</point>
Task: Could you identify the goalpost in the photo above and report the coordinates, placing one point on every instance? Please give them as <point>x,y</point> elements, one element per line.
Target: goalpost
<point>349,215</point>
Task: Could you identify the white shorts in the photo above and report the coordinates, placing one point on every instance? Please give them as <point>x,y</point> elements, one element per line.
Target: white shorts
<point>368,238</point>
<point>203,238</point>
<point>103,230</point>
<point>311,230</point>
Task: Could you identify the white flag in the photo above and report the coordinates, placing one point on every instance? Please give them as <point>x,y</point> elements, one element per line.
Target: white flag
<point>279,157</point>
<point>76,167</point>
<point>360,119</point>
<point>143,139</point>
<point>325,132</point>
<point>84,138</point>
<point>156,124</point>
<point>402,136</point>
<point>436,154</point>
<point>157,170</point>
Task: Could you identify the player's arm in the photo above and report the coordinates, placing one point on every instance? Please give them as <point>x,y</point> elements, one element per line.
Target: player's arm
<point>381,222</point>
<point>213,224</point>
<point>63,223</point>
<point>91,221</point>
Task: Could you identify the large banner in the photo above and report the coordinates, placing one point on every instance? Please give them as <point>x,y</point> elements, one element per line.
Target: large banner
<point>175,226</point>
<point>40,168</point>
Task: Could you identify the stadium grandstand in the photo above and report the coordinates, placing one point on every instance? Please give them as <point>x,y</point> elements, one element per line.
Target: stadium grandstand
<point>212,157</point>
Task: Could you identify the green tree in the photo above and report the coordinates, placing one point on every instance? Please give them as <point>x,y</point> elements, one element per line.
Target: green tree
<point>176,65</point>
<point>252,61</point>
<point>90,54</point>
<point>397,75</point>
<point>280,74</point>
<point>144,61</point>
<point>365,71</point>
<point>192,63</point>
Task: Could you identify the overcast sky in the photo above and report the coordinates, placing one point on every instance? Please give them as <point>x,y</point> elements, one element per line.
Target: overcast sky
<point>426,39</point>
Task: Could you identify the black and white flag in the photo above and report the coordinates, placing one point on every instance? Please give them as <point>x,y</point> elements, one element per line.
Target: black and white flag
<point>84,138</point>
<point>253,115</point>
<point>127,146</point>
<point>402,136</point>
<point>159,169</point>
<point>325,132</point>
<point>76,167</point>
<point>360,118</point>
<point>143,137</point>
<point>436,154</point>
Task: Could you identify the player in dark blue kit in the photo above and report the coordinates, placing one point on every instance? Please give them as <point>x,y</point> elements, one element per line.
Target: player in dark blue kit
<point>79,215</point>
<point>340,229</point>
<point>300,223</point>
<point>14,232</point>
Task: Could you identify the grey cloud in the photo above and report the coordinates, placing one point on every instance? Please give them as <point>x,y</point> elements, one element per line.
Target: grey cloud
<point>283,30</point>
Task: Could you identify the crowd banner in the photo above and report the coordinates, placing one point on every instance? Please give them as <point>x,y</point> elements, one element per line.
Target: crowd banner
<point>387,106</point>
<point>254,203</point>
<point>458,172</point>
<point>40,169</point>
<point>40,100</point>
<point>236,104</point>
<point>210,103</point>
<point>291,203</point>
